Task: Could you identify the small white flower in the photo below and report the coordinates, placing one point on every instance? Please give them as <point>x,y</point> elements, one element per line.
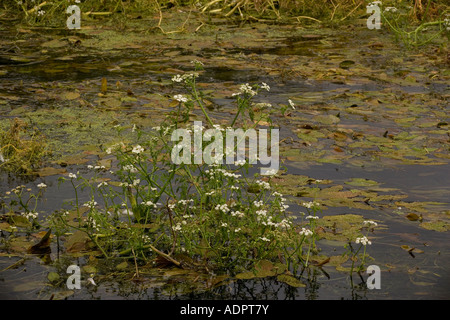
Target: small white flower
<point>196,62</point>
<point>363,240</point>
<point>224,224</point>
<point>312,217</point>
<point>101,184</point>
<point>137,149</point>
<point>90,204</point>
<point>390,9</point>
<point>271,172</point>
<point>291,104</point>
<point>370,223</point>
<point>72,176</point>
<point>261,212</point>
<point>177,78</point>
<point>237,214</point>
<point>180,97</point>
<point>310,204</point>
<point>171,206</point>
<point>91,280</point>
<point>222,207</point>
<point>240,162</point>
<point>130,167</point>
<point>30,215</point>
<point>264,239</point>
<point>246,88</point>
<point>306,232</point>
<point>237,229</point>
<point>265,86</point>
<point>258,203</point>
<point>263,184</point>
<point>42,185</point>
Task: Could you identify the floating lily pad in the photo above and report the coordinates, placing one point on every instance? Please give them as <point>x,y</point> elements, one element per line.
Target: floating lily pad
<point>361,182</point>
<point>290,280</point>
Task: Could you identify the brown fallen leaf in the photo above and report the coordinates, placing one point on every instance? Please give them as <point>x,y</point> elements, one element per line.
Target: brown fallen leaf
<point>413,217</point>
<point>43,246</point>
<point>49,171</point>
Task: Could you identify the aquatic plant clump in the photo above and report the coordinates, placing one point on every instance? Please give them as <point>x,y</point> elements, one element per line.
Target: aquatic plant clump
<point>214,217</point>
<point>22,147</point>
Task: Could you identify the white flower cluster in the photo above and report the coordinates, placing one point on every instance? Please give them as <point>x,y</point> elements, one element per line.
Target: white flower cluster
<point>137,149</point>
<point>130,168</point>
<point>134,184</point>
<point>237,214</point>
<point>222,207</point>
<point>113,147</point>
<point>271,172</point>
<point>370,223</point>
<point>375,3</point>
<point>30,215</point>
<point>95,167</point>
<point>151,204</point>
<point>285,223</point>
<point>363,240</point>
<point>180,98</point>
<point>390,9</point>
<point>90,204</point>
<point>262,105</point>
<point>42,185</point>
<point>16,190</point>
<point>310,204</point>
<point>185,77</point>
<point>245,89</point>
<point>258,203</point>
<point>212,172</point>
<point>263,184</point>
<point>306,232</point>
<point>197,62</point>
<point>177,227</point>
<point>265,86</point>
<point>262,213</point>
<point>447,23</point>
<point>185,202</point>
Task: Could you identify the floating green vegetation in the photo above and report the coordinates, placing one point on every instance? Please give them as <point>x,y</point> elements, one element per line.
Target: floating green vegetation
<point>22,147</point>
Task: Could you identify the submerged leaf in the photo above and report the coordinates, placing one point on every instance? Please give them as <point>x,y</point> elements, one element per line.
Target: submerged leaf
<point>290,280</point>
